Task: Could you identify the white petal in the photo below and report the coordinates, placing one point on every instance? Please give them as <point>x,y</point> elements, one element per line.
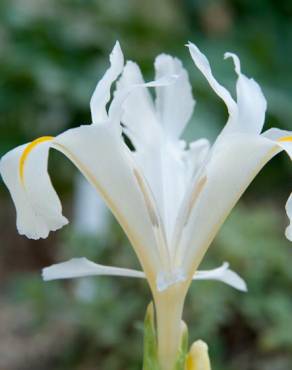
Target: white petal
<point>196,156</point>
<point>37,205</point>
<point>101,94</point>
<point>288,207</point>
<point>203,65</point>
<point>251,103</point>
<point>101,155</point>
<point>174,103</point>
<point>160,160</point>
<point>233,164</point>
<point>139,114</point>
<point>123,94</point>
<point>247,115</point>
<point>91,216</point>
<point>81,267</point>
<point>283,140</point>
<point>224,274</point>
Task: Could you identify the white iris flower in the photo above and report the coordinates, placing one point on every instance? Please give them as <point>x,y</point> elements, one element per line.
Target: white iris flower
<point>170,197</point>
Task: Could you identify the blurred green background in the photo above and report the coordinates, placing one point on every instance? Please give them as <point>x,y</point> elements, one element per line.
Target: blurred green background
<point>52,53</point>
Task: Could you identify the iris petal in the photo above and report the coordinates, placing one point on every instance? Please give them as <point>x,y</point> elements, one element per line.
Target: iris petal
<point>101,94</point>
<point>82,267</point>
<point>174,103</point>
<point>38,208</point>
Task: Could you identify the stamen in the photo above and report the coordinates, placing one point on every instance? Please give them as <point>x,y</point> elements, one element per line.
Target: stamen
<point>156,221</point>
<point>195,195</point>
<point>27,151</point>
<point>147,199</point>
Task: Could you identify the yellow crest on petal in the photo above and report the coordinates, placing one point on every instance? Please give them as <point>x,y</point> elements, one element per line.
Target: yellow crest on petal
<point>27,151</point>
<point>285,138</point>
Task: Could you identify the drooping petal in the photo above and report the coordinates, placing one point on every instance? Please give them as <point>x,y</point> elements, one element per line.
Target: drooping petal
<point>24,171</point>
<point>251,103</point>
<point>81,267</point>
<point>101,155</point>
<point>234,162</point>
<point>288,207</point>
<point>101,94</point>
<point>174,103</point>
<point>203,65</point>
<point>224,274</point>
<point>283,140</point>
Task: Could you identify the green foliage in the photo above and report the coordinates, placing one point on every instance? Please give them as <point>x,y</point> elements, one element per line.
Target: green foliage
<point>150,355</point>
<point>256,324</point>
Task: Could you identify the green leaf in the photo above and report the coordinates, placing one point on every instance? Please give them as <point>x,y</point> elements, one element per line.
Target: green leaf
<point>183,348</point>
<point>150,361</point>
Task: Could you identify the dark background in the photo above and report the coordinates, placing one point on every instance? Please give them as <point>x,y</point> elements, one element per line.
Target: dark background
<point>52,53</point>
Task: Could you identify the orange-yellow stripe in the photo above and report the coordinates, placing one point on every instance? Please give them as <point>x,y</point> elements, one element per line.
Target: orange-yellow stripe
<point>285,138</point>
<point>27,151</point>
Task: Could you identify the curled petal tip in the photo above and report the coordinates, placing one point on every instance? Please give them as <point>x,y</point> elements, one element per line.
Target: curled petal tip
<point>236,281</point>
<point>236,61</point>
<point>116,55</point>
<point>117,46</point>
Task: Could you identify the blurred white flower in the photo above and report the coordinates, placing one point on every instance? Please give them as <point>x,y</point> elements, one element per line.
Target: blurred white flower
<point>91,215</point>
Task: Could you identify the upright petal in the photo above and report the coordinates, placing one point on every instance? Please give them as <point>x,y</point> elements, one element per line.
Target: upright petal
<point>159,159</point>
<point>139,116</point>
<point>122,94</point>
<point>203,65</point>
<point>101,94</point>
<point>247,114</point>
<point>195,157</point>
<point>251,103</point>
<point>174,103</point>
<point>24,171</point>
